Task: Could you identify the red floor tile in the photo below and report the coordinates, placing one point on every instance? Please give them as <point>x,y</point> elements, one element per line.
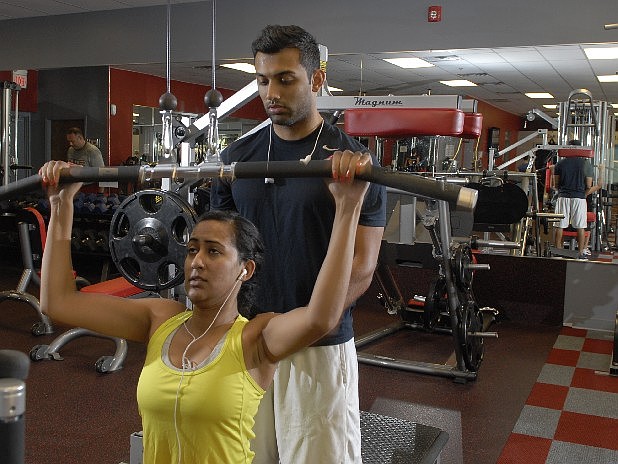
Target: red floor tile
<point>598,346</point>
<point>587,378</point>
<point>524,449</point>
<point>573,332</point>
<point>583,429</point>
<point>563,357</point>
<point>548,396</point>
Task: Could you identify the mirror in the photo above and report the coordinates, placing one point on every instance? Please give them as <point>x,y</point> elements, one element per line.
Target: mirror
<point>147,129</point>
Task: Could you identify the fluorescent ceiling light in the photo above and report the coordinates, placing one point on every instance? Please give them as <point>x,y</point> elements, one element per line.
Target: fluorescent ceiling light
<point>609,53</point>
<point>334,89</point>
<point>244,67</point>
<point>539,95</point>
<point>608,78</point>
<point>550,107</point>
<point>458,83</point>
<point>409,63</point>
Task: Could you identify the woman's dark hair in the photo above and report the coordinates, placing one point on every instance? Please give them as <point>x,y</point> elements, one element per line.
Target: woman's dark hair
<point>249,244</point>
<point>275,38</point>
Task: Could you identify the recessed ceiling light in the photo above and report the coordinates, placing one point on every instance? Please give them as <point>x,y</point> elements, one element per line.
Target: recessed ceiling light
<point>409,63</point>
<point>244,67</point>
<point>539,95</point>
<point>459,83</point>
<point>550,107</point>
<point>608,53</point>
<point>608,78</point>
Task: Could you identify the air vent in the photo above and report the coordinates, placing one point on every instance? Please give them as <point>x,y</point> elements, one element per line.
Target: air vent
<point>473,74</point>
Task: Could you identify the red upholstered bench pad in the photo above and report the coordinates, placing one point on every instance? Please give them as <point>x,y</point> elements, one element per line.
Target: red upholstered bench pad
<point>117,287</point>
<point>473,125</point>
<point>403,122</point>
<point>576,152</point>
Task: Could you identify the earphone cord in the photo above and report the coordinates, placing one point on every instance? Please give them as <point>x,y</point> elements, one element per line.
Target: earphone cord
<point>186,362</point>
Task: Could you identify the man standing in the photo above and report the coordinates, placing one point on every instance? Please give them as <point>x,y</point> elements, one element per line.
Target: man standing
<point>312,415</point>
<point>573,180</point>
<point>82,152</point>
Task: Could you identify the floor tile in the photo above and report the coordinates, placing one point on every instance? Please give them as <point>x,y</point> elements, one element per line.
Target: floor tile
<point>585,429</point>
<point>555,374</point>
<point>524,449</point>
<point>592,402</point>
<point>593,361</point>
<point>568,342</point>
<point>571,453</point>
<point>548,396</point>
<point>598,346</point>
<point>588,378</point>
<point>563,357</point>
<point>537,422</point>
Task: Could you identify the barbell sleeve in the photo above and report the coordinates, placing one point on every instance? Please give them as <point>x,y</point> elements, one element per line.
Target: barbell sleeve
<point>460,198</point>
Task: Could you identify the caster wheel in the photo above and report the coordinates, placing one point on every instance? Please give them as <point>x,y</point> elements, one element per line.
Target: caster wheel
<point>39,328</point>
<point>102,365</point>
<point>38,352</point>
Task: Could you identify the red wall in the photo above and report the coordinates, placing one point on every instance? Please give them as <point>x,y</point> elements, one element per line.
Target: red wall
<point>28,97</point>
<point>494,117</point>
<point>128,88</point>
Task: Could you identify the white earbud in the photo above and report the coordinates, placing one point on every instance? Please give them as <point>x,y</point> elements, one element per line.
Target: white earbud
<point>242,274</point>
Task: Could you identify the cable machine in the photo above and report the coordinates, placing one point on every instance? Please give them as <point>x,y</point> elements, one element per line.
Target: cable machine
<point>592,123</point>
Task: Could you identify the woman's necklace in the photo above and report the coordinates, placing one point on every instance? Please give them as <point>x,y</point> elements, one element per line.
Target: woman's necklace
<point>271,180</point>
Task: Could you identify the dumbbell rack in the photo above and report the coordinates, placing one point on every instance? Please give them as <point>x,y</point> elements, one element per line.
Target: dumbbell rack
<point>90,238</point>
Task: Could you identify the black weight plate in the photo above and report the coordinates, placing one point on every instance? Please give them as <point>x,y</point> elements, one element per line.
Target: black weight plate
<point>435,303</point>
<point>147,239</point>
<point>470,322</point>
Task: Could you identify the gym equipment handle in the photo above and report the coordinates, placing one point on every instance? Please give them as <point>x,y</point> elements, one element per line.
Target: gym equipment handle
<point>461,198</point>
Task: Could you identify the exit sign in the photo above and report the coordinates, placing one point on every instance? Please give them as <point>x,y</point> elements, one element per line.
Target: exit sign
<point>20,77</point>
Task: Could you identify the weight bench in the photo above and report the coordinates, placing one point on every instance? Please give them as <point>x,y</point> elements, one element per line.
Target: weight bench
<point>29,274</point>
<point>34,223</point>
<point>384,440</point>
<point>117,287</point>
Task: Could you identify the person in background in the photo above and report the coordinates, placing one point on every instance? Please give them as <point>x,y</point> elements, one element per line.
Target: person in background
<point>573,180</point>
<point>207,366</point>
<point>83,153</point>
<point>311,413</point>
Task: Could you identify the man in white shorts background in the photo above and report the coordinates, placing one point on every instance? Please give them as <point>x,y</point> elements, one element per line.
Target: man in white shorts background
<point>573,180</point>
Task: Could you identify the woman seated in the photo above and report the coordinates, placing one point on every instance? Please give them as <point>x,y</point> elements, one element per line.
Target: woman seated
<point>206,366</point>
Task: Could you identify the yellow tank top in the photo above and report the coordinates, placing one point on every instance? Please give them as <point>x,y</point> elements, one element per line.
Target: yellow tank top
<point>216,404</point>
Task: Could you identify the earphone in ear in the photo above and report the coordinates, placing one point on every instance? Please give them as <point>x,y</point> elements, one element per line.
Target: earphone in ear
<point>242,274</point>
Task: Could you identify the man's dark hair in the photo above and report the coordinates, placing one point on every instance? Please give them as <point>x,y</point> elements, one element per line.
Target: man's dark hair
<point>275,38</point>
<point>75,130</point>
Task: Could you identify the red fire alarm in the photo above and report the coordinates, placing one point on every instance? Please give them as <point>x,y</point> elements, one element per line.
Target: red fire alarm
<point>434,14</point>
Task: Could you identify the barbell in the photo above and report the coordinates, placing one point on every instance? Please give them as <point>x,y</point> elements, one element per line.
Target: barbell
<point>149,229</point>
<point>458,197</point>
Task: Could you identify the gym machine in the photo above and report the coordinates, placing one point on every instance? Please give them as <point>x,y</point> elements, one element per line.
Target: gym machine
<point>450,306</point>
<point>592,123</point>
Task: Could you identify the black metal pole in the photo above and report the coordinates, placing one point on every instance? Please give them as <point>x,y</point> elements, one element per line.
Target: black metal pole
<point>458,197</point>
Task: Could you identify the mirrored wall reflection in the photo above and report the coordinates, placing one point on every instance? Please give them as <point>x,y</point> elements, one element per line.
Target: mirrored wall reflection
<point>147,147</point>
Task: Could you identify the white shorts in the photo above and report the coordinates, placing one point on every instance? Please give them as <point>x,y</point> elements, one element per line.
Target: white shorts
<point>575,212</point>
<point>311,412</point>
